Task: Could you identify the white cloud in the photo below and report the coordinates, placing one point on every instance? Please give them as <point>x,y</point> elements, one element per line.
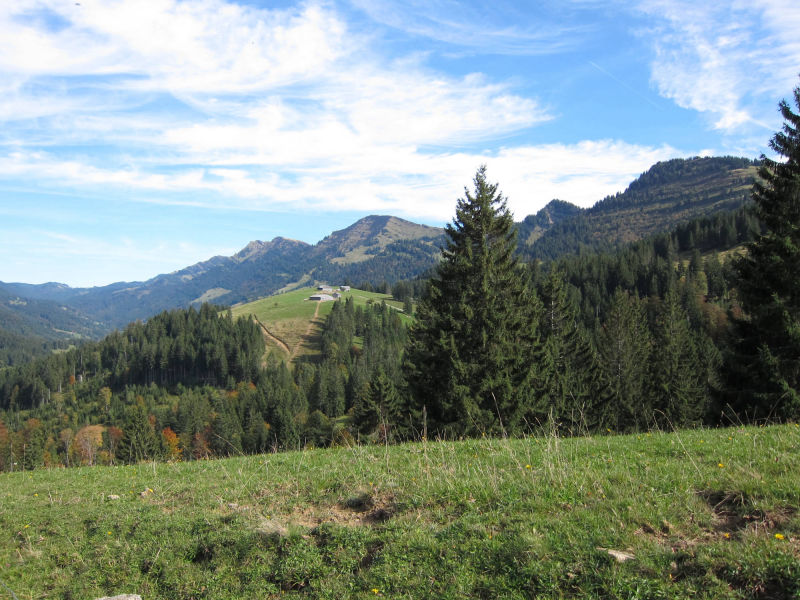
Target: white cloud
<point>482,28</point>
<point>276,109</point>
<point>198,46</point>
<point>399,180</point>
<point>725,58</point>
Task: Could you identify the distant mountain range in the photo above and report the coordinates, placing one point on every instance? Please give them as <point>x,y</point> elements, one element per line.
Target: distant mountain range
<point>381,247</point>
<point>375,249</point>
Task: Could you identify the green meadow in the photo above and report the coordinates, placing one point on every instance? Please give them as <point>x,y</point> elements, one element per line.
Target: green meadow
<point>688,514</point>
<point>296,321</point>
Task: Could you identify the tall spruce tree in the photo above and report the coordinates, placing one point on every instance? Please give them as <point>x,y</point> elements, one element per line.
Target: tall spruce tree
<point>139,441</point>
<point>678,391</point>
<point>624,344</point>
<point>469,356</point>
<point>763,374</point>
<point>572,391</point>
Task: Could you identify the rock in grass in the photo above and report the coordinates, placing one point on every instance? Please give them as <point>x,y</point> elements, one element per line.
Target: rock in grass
<point>619,555</point>
<point>271,529</point>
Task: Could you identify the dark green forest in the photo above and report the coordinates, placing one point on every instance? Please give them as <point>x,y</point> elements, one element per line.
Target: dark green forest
<point>699,326</point>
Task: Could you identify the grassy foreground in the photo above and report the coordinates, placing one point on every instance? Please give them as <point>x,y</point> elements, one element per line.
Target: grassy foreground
<point>702,514</point>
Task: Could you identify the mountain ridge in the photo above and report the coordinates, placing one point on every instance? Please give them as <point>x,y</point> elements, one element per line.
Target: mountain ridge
<point>258,269</point>
<point>667,194</point>
<point>387,248</point>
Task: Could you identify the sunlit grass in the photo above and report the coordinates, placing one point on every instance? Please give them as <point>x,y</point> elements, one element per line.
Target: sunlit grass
<point>704,513</point>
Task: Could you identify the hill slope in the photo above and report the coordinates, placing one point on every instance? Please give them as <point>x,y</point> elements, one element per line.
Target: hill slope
<point>702,513</point>
<point>292,324</point>
<point>42,318</point>
<point>369,236</point>
<point>668,194</point>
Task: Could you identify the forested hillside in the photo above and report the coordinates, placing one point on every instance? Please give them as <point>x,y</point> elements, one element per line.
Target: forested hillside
<point>191,383</point>
<point>668,194</point>
<point>44,318</point>
<point>31,328</point>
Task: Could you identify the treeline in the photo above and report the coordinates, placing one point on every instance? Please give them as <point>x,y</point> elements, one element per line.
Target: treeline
<point>187,346</point>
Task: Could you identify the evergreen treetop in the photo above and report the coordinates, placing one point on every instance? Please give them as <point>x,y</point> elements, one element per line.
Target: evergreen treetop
<point>469,350</point>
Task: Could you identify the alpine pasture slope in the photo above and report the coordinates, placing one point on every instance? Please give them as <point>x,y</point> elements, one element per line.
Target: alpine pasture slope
<point>699,513</point>
<point>292,324</point>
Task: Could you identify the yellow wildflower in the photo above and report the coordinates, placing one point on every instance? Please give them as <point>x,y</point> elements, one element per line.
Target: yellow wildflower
<point>778,536</point>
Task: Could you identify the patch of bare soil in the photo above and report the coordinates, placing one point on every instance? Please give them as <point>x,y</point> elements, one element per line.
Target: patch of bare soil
<point>734,512</point>
<point>733,515</point>
<point>359,510</point>
<point>363,509</point>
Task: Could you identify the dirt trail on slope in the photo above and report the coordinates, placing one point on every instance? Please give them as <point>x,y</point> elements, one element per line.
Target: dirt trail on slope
<point>276,340</point>
<point>311,324</point>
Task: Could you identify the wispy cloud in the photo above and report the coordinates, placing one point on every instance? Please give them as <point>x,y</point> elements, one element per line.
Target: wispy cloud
<point>398,180</point>
<point>498,28</point>
<point>268,109</point>
<point>724,58</point>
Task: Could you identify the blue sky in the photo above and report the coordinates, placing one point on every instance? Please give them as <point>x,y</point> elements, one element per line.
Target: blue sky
<point>141,136</point>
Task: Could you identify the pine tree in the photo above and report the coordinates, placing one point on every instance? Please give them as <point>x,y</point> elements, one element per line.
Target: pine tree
<point>378,408</point>
<point>678,390</point>
<point>624,345</point>
<point>763,371</point>
<point>715,277</point>
<point>468,360</point>
<point>139,441</point>
<point>572,392</point>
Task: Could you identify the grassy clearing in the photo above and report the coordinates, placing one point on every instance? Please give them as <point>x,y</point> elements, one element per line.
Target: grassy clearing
<point>290,317</point>
<point>706,514</point>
